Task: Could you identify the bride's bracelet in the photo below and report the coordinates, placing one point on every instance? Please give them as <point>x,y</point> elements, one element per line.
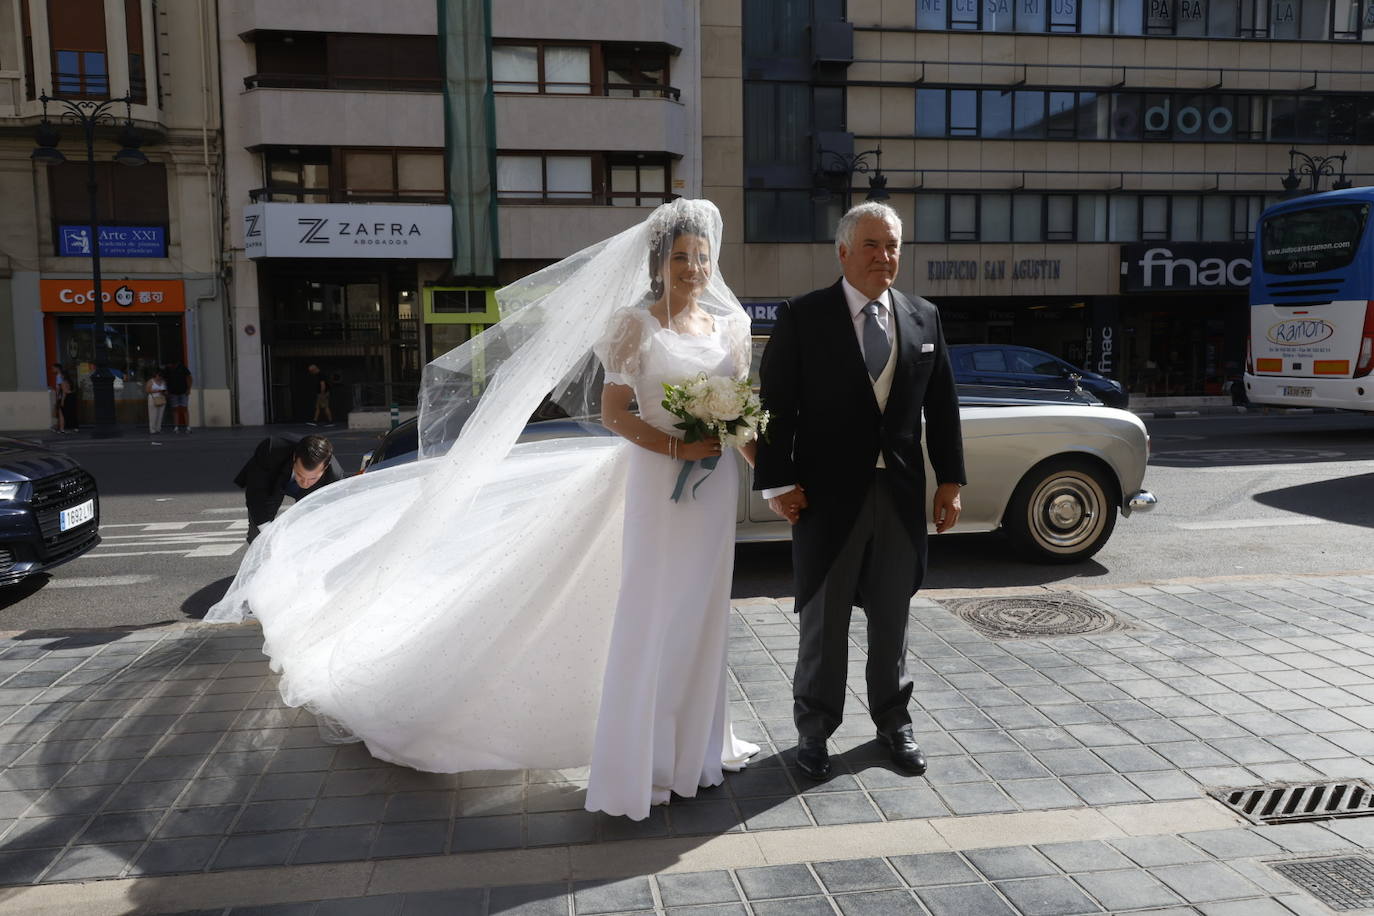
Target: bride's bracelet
<point>672,447</point>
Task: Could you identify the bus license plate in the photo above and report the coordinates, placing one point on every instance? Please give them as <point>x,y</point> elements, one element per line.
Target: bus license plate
<point>76,515</point>
<point>1296,391</point>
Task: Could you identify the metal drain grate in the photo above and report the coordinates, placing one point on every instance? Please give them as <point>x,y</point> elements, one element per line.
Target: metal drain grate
<point>1034,616</point>
<point>1306,802</point>
<point>1342,884</point>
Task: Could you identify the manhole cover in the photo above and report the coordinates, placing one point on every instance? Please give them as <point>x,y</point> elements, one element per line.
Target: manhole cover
<point>1306,802</point>
<point>1034,616</point>
<point>1342,884</point>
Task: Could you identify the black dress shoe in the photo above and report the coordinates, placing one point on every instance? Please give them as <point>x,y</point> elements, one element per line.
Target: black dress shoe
<point>813,758</point>
<point>906,753</point>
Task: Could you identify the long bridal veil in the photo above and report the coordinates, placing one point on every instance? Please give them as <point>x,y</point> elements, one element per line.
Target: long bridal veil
<point>456,612</point>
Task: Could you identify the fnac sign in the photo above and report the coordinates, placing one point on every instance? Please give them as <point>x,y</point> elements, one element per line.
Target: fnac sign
<point>116,295</point>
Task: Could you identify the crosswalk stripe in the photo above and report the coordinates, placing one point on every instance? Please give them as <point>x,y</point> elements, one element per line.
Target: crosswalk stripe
<point>99,555</point>
<point>94,581</point>
<point>217,550</point>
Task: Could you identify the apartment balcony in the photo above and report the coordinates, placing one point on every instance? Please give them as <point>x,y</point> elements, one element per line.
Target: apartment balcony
<point>395,17</point>
<point>551,231</point>
<point>320,117</point>
<point>588,122</point>
<point>615,20</point>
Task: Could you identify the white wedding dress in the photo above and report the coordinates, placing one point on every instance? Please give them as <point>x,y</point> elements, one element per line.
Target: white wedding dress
<point>488,650</point>
<point>663,725</point>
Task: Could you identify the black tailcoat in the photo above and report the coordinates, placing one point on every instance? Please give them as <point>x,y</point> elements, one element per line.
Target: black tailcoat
<point>826,429</point>
<point>264,476</point>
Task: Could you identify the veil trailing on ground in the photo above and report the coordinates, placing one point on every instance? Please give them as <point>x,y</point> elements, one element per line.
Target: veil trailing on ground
<point>473,558</point>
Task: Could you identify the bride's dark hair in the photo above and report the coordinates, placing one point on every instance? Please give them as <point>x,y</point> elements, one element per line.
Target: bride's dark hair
<point>662,244</point>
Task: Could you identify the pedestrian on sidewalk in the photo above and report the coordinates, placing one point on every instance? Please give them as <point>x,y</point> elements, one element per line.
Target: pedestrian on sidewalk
<point>284,466</point>
<point>62,389</point>
<point>179,396</point>
<point>156,389</point>
<point>847,374</point>
<point>321,387</point>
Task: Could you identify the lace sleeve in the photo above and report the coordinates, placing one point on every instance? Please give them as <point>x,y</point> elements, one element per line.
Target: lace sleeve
<point>622,347</point>
<point>741,345</point>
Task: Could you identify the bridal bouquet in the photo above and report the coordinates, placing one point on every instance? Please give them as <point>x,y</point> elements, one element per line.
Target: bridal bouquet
<point>719,406</point>
<point>726,408</point>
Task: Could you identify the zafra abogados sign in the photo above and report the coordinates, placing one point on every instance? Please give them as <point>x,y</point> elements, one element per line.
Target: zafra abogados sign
<point>281,230</point>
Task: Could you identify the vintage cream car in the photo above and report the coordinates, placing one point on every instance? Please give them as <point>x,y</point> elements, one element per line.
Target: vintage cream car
<point>1051,468</point>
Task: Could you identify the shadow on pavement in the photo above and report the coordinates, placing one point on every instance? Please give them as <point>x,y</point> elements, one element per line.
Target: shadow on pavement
<point>147,756</point>
<point>1277,440</point>
<point>1341,499</point>
<point>198,604</point>
<point>965,561</point>
<point>11,595</point>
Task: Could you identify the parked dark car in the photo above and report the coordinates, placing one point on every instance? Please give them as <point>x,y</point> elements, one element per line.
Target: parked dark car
<point>1007,366</point>
<point>49,510</point>
<point>402,444</point>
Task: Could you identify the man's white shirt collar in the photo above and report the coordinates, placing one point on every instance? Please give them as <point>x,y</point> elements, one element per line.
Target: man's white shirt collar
<point>857,300</point>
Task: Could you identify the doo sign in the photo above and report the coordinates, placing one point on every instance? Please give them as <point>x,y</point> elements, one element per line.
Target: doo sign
<point>1179,266</point>
<point>348,231</point>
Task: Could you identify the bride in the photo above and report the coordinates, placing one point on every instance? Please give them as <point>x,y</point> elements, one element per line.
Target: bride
<point>536,605</point>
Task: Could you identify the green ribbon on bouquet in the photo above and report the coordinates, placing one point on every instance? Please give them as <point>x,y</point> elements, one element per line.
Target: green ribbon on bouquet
<point>708,463</point>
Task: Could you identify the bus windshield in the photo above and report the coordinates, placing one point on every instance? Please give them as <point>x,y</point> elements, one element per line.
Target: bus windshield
<point>1312,241</point>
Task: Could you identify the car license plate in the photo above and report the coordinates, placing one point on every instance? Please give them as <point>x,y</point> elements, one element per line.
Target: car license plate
<point>77,515</point>
<point>1296,391</point>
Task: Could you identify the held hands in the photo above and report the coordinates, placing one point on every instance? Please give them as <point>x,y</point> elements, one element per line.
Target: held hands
<point>789,505</point>
<point>946,506</point>
<point>695,451</point>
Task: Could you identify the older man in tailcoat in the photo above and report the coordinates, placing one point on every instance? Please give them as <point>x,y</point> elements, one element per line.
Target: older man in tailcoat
<point>847,375</point>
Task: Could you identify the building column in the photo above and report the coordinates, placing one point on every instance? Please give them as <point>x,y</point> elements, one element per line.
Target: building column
<point>248,356</point>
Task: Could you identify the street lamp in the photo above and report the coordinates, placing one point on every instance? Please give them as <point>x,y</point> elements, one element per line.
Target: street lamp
<point>88,115</point>
<point>850,164</point>
<point>1314,167</point>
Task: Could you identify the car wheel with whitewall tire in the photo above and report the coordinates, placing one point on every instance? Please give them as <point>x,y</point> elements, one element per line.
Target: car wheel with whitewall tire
<point>1063,510</point>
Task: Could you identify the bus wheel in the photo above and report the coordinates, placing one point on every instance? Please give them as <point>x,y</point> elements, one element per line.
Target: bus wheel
<point>1062,511</point>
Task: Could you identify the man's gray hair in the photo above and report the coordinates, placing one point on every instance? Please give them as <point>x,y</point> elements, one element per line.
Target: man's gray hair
<point>844,232</point>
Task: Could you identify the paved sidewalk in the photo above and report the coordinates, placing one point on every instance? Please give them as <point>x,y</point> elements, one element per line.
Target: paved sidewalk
<point>156,771</point>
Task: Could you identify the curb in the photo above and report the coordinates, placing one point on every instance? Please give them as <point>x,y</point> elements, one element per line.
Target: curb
<point>1165,413</point>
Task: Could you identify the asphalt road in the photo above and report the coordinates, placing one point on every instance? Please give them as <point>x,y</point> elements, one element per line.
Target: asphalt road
<point>1239,495</point>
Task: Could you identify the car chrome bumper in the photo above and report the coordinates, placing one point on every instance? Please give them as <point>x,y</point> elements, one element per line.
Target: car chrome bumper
<point>1142,501</point>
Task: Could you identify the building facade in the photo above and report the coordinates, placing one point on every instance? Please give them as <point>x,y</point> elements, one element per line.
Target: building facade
<point>160,222</point>
<point>341,204</point>
<point>1079,176</point>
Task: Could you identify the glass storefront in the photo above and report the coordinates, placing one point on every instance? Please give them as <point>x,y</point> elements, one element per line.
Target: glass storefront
<point>1171,345</point>
<point>136,346</point>
<point>358,325</point>
<point>1182,346</point>
<point>1052,325</point>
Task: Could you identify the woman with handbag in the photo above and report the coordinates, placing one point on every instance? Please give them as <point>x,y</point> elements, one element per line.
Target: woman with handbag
<point>156,388</point>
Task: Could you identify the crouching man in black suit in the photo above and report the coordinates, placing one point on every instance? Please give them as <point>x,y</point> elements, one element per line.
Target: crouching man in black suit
<point>847,375</point>
<point>284,466</point>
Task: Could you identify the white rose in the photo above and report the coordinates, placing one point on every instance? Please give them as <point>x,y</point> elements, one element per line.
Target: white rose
<point>722,399</point>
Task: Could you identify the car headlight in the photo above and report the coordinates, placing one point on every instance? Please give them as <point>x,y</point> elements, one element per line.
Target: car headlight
<point>9,491</point>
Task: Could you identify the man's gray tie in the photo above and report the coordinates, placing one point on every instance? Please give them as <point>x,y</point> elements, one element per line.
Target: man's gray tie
<point>877,347</point>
